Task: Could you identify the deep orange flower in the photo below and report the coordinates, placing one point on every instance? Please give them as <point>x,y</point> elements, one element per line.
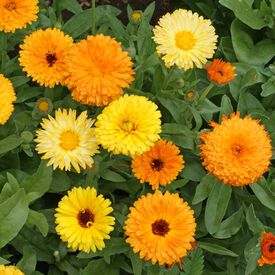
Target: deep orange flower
<point>268,249</point>
<point>160,165</point>
<point>98,70</point>
<point>220,72</point>
<point>237,151</point>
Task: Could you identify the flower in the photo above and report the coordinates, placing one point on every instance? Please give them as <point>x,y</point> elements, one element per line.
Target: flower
<point>237,151</point>
<point>42,56</point>
<point>161,227</point>
<point>10,270</point>
<point>268,249</point>
<point>82,219</point>
<point>98,70</point>
<point>130,125</point>
<point>184,38</point>
<point>67,140</point>
<point>7,97</point>
<point>160,165</point>
<point>220,72</point>
<point>44,106</point>
<point>136,16</point>
<point>16,14</point>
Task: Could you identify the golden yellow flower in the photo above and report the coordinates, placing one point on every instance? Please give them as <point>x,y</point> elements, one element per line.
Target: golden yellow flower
<point>67,140</point>
<point>7,97</point>
<point>82,219</point>
<point>42,56</point>
<point>16,14</point>
<point>44,106</point>
<point>130,125</point>
<point>161,227</point>
<point>98,70</point>
<point>237,151</point>
<point>136,16</point>
<point>184,38</point>
<point>10,270</point>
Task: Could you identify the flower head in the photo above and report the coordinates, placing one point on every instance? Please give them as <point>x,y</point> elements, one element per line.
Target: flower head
<point>98,70</point>
<point>160,165</point>
<point>16,14</point>
<point>82,219</point>
<point>10,270</point>
<point>7,97</point>
<point>268,249</point>
<point>42,56</point>
<point>237,151</point>
<point>136,16</point>
<point>161,227</point>
<point>220,72</point>
<point>184,38</point>
<point>67,140</point>
<point>130,125</point>
<point>44,106</point>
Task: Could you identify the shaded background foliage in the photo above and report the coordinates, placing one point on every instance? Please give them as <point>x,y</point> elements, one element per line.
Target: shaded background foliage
<point>230,220</point>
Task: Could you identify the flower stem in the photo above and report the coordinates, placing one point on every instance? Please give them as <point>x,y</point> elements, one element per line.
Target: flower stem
<point>3,48</point>
<point>93,17</point>
<point>205,93</point>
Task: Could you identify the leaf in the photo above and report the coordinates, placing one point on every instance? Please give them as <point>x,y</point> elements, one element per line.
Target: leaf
<point>194,264</point>
<point>268,88</point>
<point>252,253</point>
<point>226,107</point>
<point>61,182</point>
<point>253,222</point>
<point>70,5</point>
<point>216,206</point>
<point>39,220</point>
<point>136,263</point>
<point>111,176</point>
<point>4,261</point>
<point>99,267</point>
<point>18,81</point>
<point>9,143</point>
<point>28,262</point>
<point>217,249</point>
<point>13,215</point>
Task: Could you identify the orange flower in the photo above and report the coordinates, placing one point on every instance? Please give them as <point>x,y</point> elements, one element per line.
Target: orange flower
<point>268,249</point>
<point>98,70</point>
<point>160,165</point>
<point>237,151</point>
<point>220,72</point>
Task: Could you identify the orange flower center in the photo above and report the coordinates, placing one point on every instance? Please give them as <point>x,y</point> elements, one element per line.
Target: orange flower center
<point>128,126</point>
<point>85,218</point>
<point>69,140</point>
<point>236,150</point>
<point>43,106</point>
<point>10,6</point>
<point>160,227</point>
<point>185,40</point>
<point>157,164</point>
<point>51,59</point>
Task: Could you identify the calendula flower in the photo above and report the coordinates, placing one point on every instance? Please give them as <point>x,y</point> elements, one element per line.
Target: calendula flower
<point>82,219</point>
<point>42,56</point>
<point>7,97</point>
<point>130,125</point>
<point>220,72</point>
<point>268,249</point>
<point>16,14</point>
<point>161,227</point>
<point>237,151</point>
<point>10,270</point>
<point>136,16</point>
<point>160,165</point>
<point>98,70</point>
<point>67,140</point>
<point>44,106</point>
<point>185,39</point>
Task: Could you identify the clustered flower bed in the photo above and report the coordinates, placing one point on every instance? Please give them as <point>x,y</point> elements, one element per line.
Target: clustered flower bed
<point>137,149</point>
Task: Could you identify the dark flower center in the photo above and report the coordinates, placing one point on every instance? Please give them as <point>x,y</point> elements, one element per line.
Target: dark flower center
<point>10,6</point>
<point>85,218</point>
<point>51,59</point>
<point>160,227</point>
<point>272,248</point>
<point>220,72</point>
<point>157,164</point>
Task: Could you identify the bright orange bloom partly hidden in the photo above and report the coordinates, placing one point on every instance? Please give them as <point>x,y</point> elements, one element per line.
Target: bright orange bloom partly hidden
<point>16,14</point>
<point>98,70</point>
<point>268,249</point>
<point>161,227</point>
<point>160,165</point>
<point>220,72</point>
<point>237,151</point>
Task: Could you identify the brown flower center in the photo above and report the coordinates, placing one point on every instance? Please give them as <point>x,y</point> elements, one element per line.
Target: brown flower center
<point>160,227</point>
<point>220,72</point>
<point>236,149</point>
<point>85,218</point>
<point>10,6</point>
<point>272,248</point>
<point>157,164</point>
<point>51,59</point>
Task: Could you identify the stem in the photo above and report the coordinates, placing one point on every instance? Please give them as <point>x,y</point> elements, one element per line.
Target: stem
<point>93,18</point>
<point>168,78</point>
<point>205,93</point>
<point>3,48</point>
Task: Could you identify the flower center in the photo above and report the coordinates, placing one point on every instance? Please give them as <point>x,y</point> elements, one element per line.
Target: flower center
<point>272,248</point>
<point>51,59</point>
<point>69,140</point>
<point>85,218</point>
<point>157,164</point>
<point>185,40</point>
<point>43,106</point>
<point>236,150</point>
<point>160,227</point>
<point>220,72</point>
<point>128,126</point>
<point>10,6</point>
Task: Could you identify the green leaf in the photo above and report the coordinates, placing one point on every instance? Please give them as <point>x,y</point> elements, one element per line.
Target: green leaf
<point>13,215</point>
<point>39,220</point>
<point>18,81</point>
<point>216,206</point>
<point>226,107</point>
<point>70,5</point>
<point>252,253</point>
<point>9,143</point>
<point>194,264</point>
<point>28,262</point>
<point>99,267</point>
<point>136,263</point>
<point>217,249</point>
<point>268,87</point>
<point>61,182</point>
<point>4,261</point>
<point>192,169</point>
<point>253,222</point>
<point>111,176</point>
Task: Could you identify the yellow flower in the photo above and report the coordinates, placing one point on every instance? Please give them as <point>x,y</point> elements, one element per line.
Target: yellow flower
<point>42,56</point>
<point>130,125</point>
<point>7,97</point>
<point>16,14</point>
<point>10,270</point>
<point>184,39</point>
<point>237,151</point>
<point>67,140</point>
<point>161,227</point>
<point>136,16</point>
<point>44,106</point>
<point>82,219</point>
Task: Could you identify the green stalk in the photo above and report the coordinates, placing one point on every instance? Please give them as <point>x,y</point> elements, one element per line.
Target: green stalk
<point>93,18</point>
<point>205,93</point>
<point>3,48</point>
